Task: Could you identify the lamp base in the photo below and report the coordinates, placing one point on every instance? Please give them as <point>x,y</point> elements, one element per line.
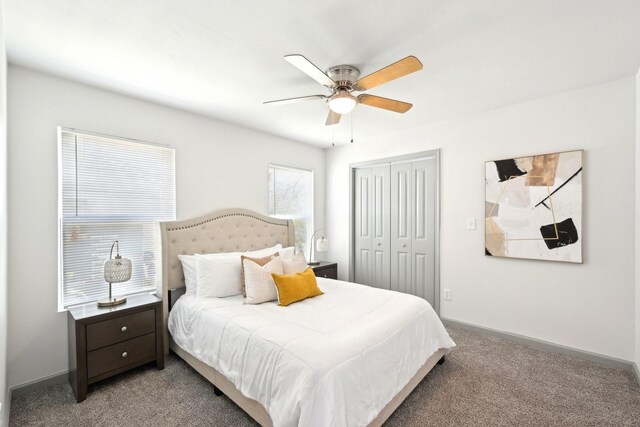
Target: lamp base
<point>112,302</point>
<point>313,262</point>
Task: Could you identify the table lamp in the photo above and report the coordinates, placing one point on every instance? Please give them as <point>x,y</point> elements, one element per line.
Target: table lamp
<point>322,245</point>
<point>116,270</point>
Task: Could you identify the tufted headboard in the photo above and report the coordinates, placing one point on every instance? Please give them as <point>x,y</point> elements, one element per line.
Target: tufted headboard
<point>227,230</point>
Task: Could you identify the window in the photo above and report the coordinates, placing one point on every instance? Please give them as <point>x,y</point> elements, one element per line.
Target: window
<point>110,189</point>
<point>291,197</point>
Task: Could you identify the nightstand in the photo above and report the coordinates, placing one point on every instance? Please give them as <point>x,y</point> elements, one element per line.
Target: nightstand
<point>107,341</point>
<point>326,269</point>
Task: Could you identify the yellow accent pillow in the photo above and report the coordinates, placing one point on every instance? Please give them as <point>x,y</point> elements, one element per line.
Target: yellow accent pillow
<point>296,287</point>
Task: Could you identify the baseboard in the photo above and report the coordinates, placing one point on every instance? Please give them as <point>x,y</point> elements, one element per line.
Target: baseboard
<point>39,384</point>
<point>611,362</point>
<point>636,371</point>
<point>6,409</point>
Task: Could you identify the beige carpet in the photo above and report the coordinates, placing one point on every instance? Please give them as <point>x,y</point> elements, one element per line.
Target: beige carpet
<point>486,381</point>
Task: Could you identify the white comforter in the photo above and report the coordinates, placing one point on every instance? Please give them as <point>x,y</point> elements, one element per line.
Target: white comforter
<point>333,360</point>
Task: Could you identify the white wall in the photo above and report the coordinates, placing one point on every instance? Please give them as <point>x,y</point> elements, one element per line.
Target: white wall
<point>637,254</point>
<point>3,223</point>
<point>217,166</point>
<point>589,306</point>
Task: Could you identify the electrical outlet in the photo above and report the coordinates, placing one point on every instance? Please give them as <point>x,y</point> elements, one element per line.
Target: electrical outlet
<point>471,223</point>
<point>447,294</point>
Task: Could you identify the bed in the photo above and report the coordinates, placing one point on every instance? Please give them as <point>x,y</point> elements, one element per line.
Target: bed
<point>348,357</point>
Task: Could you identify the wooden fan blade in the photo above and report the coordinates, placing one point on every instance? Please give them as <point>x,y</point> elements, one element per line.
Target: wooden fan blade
<point>293,100</point>
<point>396,70</point>
<point>384,103</point>
<point>333,118</point>
<point>307,67</point>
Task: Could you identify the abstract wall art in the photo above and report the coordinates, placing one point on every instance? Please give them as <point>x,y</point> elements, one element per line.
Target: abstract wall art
<point>533,207</point>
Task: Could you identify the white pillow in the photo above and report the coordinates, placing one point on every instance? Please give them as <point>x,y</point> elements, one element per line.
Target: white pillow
<point>189,266</point>
<point>219,275</point>
<point>296,264</point>
<point>259,285</point>
<point>287,253</point>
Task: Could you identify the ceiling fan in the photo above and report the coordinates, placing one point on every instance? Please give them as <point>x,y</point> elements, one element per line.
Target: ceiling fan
<point>343,80</point>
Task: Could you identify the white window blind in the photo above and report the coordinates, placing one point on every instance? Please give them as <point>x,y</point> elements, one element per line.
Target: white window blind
<point>291,197</point>
<point>110,189</point>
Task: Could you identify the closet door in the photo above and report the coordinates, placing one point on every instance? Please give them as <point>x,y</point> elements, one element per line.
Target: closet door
<point>401,224</point>
<point>423,174</point>
<point>381,222</point>
<point>363,226</point>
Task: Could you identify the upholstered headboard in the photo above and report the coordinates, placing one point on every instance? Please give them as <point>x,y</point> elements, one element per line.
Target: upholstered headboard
<point>227,230</point>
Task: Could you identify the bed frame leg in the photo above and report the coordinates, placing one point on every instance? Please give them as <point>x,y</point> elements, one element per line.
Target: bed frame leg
<point>217,391</point>
<point>441,361</point>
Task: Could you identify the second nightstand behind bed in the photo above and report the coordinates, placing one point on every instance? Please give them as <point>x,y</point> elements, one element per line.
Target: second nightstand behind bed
<point>326,269</point>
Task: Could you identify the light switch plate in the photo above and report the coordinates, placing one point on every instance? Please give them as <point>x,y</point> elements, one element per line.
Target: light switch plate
<point>471,223</point>
<point>447,294</point>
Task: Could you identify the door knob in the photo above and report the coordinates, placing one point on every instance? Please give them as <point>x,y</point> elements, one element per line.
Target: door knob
<point>124,354</point>
<point>379,243</point>
<point>404,245</point>
<point>123,329</point>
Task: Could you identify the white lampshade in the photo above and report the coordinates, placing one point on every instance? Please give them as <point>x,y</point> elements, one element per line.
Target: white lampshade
<point>117,270</point>
<point>342,102</point>
<point>322,244</point>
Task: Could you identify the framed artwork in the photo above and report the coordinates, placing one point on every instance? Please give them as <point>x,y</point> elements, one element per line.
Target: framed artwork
<point>533,207</point>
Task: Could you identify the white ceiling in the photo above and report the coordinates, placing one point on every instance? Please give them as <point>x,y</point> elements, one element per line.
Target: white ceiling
<point>224,58</point>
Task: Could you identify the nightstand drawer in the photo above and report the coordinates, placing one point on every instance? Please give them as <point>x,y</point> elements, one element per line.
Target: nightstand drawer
<point>121,354</point>
<point>330,272</point>
<point>107,332</point>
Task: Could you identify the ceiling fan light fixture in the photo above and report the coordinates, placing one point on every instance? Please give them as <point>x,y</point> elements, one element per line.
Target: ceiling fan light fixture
<point>342,102</point>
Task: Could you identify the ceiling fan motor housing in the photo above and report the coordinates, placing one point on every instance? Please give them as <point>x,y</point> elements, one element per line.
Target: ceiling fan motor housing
<point>344,76</point>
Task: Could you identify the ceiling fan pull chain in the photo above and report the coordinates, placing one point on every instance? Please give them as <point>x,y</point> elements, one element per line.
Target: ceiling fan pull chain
<point>352,128</point>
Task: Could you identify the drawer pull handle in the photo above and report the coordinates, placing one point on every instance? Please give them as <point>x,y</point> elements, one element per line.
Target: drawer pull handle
<point>325,275</point>
<point>123,329</point>
<point>124,355</point>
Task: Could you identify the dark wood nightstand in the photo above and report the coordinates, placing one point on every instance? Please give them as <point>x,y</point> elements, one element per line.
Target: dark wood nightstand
<point>107,341</point>
<point>326,269</point>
